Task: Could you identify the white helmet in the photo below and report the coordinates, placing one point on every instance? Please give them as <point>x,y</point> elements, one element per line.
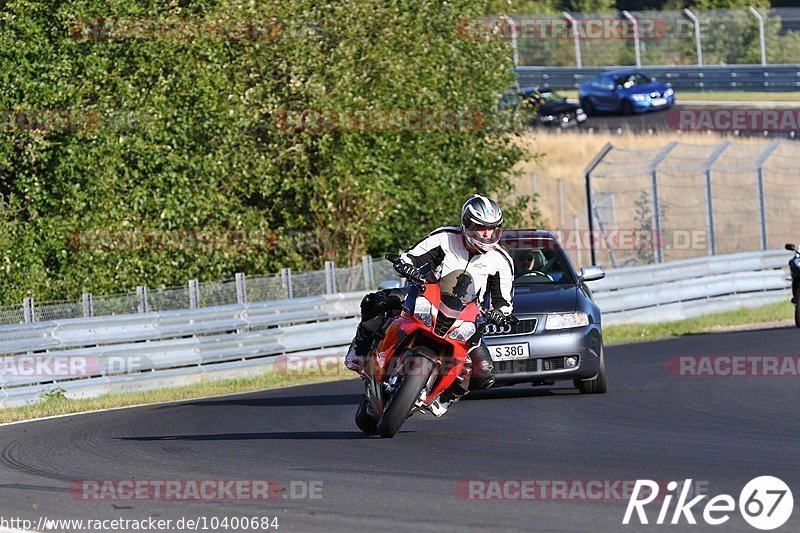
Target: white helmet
<point>477,215</point>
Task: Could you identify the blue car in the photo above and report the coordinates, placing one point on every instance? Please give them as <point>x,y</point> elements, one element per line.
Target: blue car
<point>626,92</point>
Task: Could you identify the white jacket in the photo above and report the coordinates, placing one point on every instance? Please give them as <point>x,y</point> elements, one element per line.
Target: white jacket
<point>492,271</point>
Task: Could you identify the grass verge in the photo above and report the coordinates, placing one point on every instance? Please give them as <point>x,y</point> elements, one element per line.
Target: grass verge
<point>57,404</point>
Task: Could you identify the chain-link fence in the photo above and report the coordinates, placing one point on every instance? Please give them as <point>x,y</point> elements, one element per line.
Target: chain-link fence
<point>194,294</point>
<point>668,37</point>
<point>690,200</point>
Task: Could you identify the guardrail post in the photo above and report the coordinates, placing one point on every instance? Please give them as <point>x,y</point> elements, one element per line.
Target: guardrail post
<point>576,38</point>
<point>286,281</point>
<point>241,288</point>
<point>330,277</point>
<point>28,310</point>
<point>194,294</point>
<point>762,207</point>
<point>761,41</point>
<point>369,277</point>
<point>635,23</point>
<point>87,302</point>
<point>698,45</point>
<point>141,297</point>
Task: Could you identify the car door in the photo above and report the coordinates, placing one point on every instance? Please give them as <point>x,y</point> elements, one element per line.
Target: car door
<point>605,96</point>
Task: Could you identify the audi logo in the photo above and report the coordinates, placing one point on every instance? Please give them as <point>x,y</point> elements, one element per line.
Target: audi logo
<point>494,329</point>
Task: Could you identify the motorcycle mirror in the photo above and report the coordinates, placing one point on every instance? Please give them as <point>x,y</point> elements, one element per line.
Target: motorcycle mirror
<point>791,247</point>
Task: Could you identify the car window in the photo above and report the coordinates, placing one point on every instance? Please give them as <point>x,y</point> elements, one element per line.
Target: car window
<point>551,97</point>
<point>631,80</point>
<point>604,82</point>
<point>540,265</point>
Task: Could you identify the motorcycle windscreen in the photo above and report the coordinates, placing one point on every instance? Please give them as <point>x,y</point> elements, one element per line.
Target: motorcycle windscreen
<point>458,290</point>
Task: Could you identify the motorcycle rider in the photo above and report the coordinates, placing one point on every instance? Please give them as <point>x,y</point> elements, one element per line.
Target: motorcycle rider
<point>473,247</point>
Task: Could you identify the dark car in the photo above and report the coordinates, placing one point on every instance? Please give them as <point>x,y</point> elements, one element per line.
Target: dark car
<point>559,336</point>
<point>626,92</point>
<point>545,107</point>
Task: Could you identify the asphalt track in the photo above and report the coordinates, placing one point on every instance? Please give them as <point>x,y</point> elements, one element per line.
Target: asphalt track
<point>651,424</point>
<point>658,122</point>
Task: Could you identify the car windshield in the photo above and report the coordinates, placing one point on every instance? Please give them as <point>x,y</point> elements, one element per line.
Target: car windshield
<point>552,97</point>
<point>631,80</point>
<point>457,290</point>
<point>537,261</point>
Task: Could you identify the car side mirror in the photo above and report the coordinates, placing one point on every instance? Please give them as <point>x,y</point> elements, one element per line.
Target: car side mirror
<point>592,273</point>
<point>791,247</point>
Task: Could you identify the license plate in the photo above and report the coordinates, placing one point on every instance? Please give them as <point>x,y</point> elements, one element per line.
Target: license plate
<point>505,352</point>
<point>659,101</point>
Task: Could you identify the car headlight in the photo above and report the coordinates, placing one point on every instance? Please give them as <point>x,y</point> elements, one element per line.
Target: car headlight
<point>639,97</point>
<point>566,320</point>
<point>422,310</point>
<point>463,332</point>
<point>669,92</point>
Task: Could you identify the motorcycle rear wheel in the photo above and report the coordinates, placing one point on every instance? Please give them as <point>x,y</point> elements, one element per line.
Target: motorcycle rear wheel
<point>418,369</point>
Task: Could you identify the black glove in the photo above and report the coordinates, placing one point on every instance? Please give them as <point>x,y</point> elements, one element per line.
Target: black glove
<point>407,271</point>
<point>496,316</point>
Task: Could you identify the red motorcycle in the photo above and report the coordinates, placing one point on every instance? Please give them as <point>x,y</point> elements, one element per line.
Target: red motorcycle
<point>422,352</point>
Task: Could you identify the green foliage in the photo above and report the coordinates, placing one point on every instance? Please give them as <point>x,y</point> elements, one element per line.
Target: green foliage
<point>187,134</point>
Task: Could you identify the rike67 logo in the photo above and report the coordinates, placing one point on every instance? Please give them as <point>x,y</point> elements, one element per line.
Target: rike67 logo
<point>765,503</point>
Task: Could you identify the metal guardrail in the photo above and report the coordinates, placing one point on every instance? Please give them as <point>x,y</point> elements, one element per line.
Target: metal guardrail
<point>687,78</point>
<point>150,350</point>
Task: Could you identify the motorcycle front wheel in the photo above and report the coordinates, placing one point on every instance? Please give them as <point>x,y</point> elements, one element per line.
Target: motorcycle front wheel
<point>414,377</point>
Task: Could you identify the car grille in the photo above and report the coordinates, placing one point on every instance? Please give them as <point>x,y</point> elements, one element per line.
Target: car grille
<point>553,363</point>
<point>515,367</point>
<point>443,324</point>
<point>524,326</point>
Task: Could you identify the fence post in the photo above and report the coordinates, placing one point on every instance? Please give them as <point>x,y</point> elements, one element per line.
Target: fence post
<point>587,177</point>
<point>576,226</point>
<point>87,302</point>
<point>194,294</point>
<point>330,277</point>
<point>241,288</point>
<point>658,237</point>
<point>760,189</point>
<point>369,278</point>
<point>561,202</point>
<point>712,237</point>
<point>141,297</point>
<point>635,23</point>
<point>28,309</point>
<point>575,37</point>
<point>698,45</point>
<point>286,281</point>
<point>761,41</point>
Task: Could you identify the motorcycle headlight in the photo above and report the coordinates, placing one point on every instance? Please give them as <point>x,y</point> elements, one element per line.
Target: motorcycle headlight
<point>669,92</point>
<point>566,320</point>
<point>422,310</point>
<point>639,97</point>
<point>463,332</point>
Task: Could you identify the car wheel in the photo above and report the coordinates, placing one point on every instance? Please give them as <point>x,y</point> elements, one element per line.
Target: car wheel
<point>596,385</point>
<point>587,106</point>
<point>626,107</point>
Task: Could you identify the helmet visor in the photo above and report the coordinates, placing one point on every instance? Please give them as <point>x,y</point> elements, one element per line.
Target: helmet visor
<point>483,234</point>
